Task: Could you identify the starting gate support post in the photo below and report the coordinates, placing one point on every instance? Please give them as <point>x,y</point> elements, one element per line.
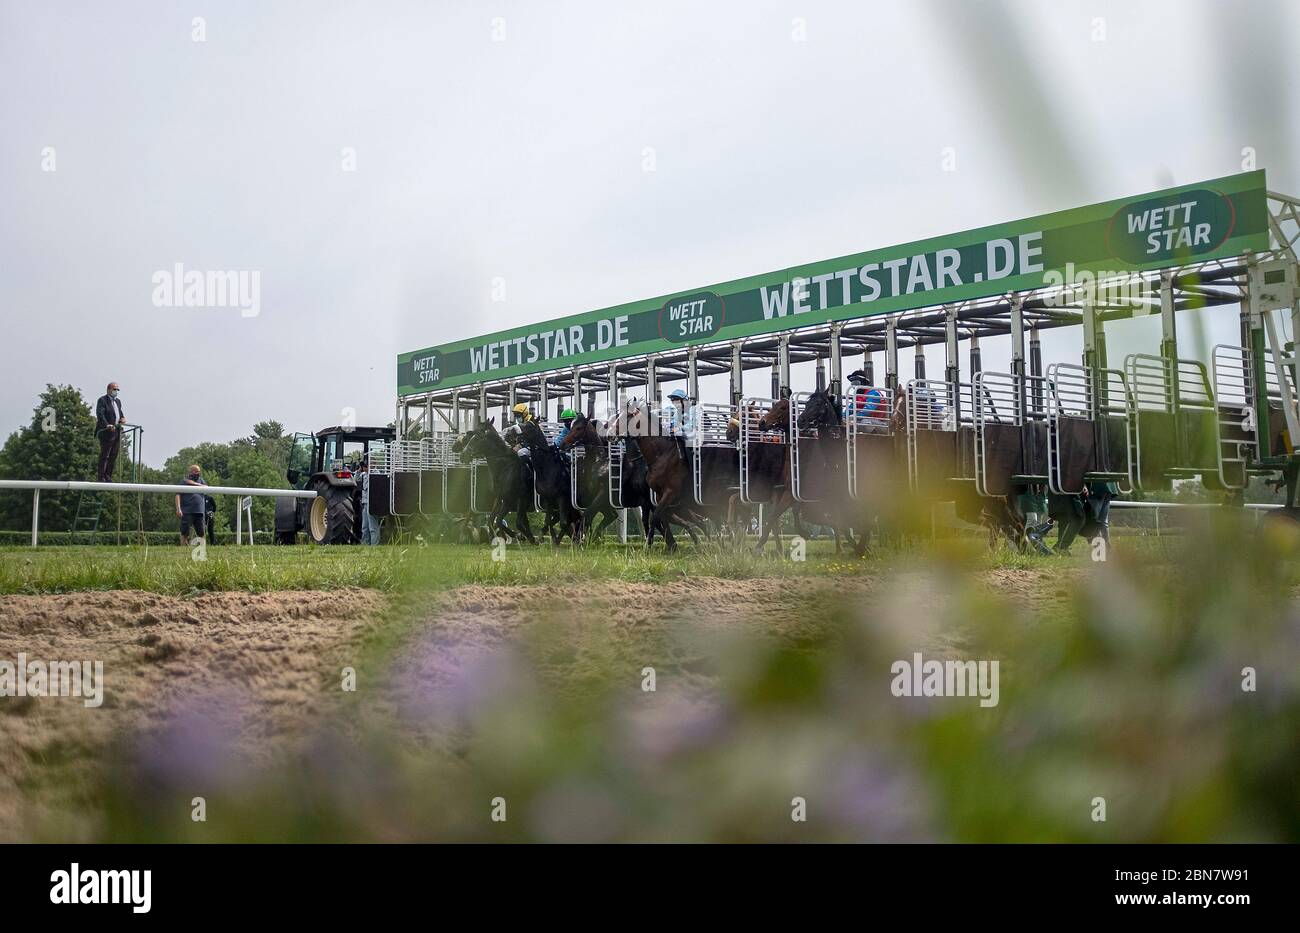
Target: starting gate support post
<point>575,400</point>
<point>1168,334</point>
<point>1094,351</point>
<point>1036,365</point>
<point>514,396</point>
<point>1254,325</point>
<point>611,399</point>
<point>920,361</point>
<point>692,375</point>
<point>482,405</point>
<point>1017,303</point>
<point>821,373</point>
<point>737,375</point>
<point>976,362</point>
<point>651,382</point>
<point>868,367</point>
<point>891,354</point>
<point>543,397</point>
<point>951,362</point>
<point>776,379</point>
<point>837,361</point>
<point>783,359</point>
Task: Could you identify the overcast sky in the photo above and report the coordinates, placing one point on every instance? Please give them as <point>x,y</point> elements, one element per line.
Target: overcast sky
<point>511,140</point>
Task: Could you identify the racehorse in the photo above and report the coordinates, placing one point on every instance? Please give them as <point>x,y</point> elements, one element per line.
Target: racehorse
<point>551,476</point>
<point>823,414</point>
<point>512,478</point>
<point>666,474</point>
<point>584,434</point>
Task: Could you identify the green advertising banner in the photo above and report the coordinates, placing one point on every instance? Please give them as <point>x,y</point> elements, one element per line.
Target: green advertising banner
<point>1210,220</point>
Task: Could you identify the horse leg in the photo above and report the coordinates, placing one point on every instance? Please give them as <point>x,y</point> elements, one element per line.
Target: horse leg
<point>523,524</point>
<point>770,517</point>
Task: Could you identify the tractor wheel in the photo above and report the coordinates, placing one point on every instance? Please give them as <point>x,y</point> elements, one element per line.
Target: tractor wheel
<point>332,515</point>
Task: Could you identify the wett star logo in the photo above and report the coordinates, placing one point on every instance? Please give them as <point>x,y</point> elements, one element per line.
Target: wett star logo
<point>75,886</point>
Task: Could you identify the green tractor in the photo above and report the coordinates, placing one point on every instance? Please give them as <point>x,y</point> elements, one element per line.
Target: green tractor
<point>326,462</point>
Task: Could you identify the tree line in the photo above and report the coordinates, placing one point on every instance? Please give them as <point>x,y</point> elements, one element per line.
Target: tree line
<point>59,444</point>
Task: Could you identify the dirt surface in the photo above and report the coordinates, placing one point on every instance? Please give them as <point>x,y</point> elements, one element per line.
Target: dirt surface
<point>254,675</point>
<point>265,658</point>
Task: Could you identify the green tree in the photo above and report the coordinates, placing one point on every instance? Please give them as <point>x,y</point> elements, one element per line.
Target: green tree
<point>253,469</point>
<point>60,444</point>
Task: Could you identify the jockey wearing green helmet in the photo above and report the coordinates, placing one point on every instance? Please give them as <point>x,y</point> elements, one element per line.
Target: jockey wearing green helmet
<point>566,418</point>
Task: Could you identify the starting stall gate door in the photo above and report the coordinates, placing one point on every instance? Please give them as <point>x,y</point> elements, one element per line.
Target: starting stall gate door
<point>615,478</point>
<point>934,435</point>
<point>482,489</point>
<point>381,480</point>
<point>1239,432</point>
<point>760,451</point>
<point>576,457</point>
<point>868,418</point>
<point>1174,431</point>
<point>998,413</point>
<point>713,454</point>
<point>456,475</point>
<point>1089,427</point>
<point>404,462</point>
<point>801,441</point>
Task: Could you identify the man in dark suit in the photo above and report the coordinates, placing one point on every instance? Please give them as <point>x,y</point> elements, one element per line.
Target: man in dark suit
<point>108,428</point>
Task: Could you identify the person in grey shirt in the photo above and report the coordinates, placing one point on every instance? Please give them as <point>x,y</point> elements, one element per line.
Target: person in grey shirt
<point>369,523</point>
<point>190,505</point>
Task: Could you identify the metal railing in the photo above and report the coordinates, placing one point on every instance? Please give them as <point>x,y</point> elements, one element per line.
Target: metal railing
<point>59,485</point>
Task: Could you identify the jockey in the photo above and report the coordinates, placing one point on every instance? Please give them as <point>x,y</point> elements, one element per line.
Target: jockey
<point>566,419</point>
<point>521,417</point>
<point>868,406</point>
<point>679,421</point>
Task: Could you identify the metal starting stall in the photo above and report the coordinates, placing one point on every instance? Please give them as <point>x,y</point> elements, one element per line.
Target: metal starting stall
<point>1158,417</point>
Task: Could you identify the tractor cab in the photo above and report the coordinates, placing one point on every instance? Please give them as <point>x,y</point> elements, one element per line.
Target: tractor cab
<point>332,452</point>
<point>326,462</point>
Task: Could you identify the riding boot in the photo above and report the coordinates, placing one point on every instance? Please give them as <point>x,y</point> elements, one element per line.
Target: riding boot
<point>681,449</point>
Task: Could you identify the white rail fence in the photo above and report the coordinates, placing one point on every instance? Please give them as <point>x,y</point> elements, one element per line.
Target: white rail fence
<point>246,494</point>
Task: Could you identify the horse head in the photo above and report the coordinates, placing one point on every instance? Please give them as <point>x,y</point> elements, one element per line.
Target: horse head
<point>582,431</point>
<point>820,411</point>
<point>777,418</point>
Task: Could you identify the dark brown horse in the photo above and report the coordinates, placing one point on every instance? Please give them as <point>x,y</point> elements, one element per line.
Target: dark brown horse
<point>821,462</point>
<point>667,475</point>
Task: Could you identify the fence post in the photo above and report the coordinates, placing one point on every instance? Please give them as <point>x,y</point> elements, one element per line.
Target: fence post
<point>36,515</point>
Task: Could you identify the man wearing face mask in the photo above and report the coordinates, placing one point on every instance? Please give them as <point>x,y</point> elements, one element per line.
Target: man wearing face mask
<point>190,506</point>
<point>108,428</point>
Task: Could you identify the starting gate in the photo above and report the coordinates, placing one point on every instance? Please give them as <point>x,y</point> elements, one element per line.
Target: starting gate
<point>1089,418</point>
<point>869,422</point>
<point>615,450</point>
<point>1173,421</point>
<point>1010,431</point>
<point>761,453</point>
<point>940,440</point>
<point>713,453</point>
